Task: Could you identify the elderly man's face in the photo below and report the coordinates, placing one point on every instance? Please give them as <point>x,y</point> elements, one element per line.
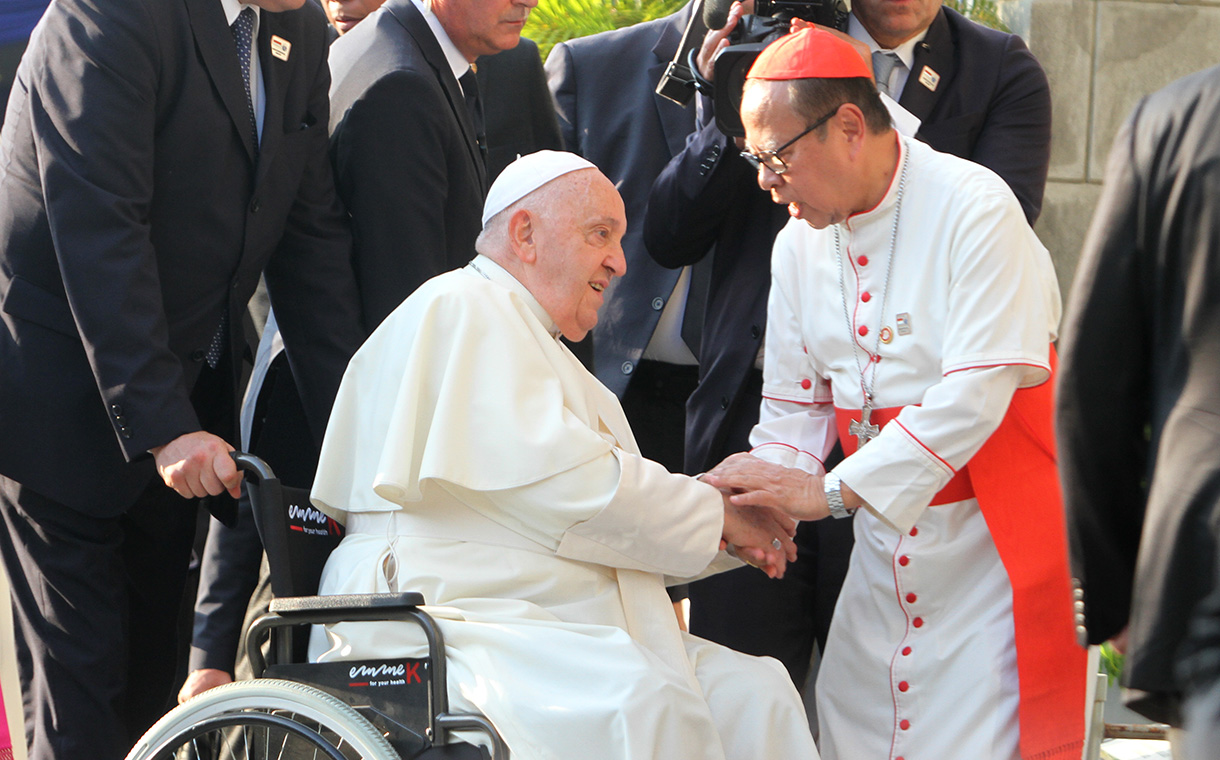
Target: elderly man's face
<point>893,22</point>
<point>814,184</point>
<point>483,27</point>
<point>345,14</point>
<point>579,251</point>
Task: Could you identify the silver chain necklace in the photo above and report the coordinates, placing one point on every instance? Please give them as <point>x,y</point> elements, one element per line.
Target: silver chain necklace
<point>862,429</point>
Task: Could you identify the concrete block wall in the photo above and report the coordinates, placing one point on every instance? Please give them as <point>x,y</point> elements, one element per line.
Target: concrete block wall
<point>1101,57</point>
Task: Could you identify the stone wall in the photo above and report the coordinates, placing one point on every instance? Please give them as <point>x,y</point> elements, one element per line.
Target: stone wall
<point>1101,57</point>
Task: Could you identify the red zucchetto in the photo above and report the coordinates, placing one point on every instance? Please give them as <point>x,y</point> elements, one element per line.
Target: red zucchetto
<point>810,53</point>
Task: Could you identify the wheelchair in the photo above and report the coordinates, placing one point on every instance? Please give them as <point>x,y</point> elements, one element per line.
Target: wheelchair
<point>385,709</point>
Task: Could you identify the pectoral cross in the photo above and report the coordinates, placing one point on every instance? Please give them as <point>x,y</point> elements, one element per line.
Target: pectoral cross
<point>863,430</point>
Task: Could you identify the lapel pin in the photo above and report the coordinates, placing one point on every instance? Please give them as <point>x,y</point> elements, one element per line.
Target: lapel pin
<point>886,335</point>
<point>904,323</point>
<point>929,78</point>
<point>280,47</point>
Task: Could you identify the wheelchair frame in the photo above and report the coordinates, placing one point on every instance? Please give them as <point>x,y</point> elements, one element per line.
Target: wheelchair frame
<point>286,613</point>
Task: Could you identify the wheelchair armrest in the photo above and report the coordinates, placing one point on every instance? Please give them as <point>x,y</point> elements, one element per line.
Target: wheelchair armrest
<point>340,603</point>
<point>287,612</point>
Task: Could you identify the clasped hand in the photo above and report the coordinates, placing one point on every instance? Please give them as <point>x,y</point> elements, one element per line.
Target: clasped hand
<point>759,536</point>
<point>754,482</point>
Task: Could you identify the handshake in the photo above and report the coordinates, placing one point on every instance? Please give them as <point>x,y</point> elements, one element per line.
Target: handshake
<point>762,504</point>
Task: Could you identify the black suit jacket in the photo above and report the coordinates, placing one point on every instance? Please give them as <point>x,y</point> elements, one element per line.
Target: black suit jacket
<point>132,216</point>
<point>1138,403</point>
<point>406,157</point>
<point>518,111</point>
<point>604,87</point>
<point>992,106</point>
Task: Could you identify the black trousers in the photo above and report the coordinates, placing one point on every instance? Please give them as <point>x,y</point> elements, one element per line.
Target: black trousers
<point>655,405</point>
<point>95,608</point>
<point>745,610</point>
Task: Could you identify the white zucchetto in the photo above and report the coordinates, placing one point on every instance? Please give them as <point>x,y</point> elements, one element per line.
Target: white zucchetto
<point>527,174</point>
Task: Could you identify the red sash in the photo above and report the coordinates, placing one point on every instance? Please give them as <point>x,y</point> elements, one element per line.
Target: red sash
<point>1016,482</point>
<point>959,488</point>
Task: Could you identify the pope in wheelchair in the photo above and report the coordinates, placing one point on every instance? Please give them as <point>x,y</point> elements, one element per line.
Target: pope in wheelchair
<point>473,459</point>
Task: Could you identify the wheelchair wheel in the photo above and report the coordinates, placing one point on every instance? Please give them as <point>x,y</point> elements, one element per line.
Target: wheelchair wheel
<point>263,719</point>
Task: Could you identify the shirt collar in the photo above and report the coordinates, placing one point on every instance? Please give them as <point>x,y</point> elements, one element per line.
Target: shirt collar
<point>233,7</point>
<point>457,62</point>
<point>905,51</point>
<point>481,265</point>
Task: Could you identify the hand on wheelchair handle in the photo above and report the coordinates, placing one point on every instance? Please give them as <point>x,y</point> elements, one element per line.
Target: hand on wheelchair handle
<point>198,464</point>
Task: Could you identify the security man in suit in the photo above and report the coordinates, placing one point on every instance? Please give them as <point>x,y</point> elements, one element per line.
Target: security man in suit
<point>158,156</point>
<point>980,95</point>
<point>407,140</point>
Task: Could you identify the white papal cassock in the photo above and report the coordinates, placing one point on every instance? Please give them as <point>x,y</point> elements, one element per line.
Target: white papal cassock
<point>920,661</point>
<point>467,442</point>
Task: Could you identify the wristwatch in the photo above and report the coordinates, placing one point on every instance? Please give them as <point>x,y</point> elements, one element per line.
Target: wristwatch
<point>834,497</point>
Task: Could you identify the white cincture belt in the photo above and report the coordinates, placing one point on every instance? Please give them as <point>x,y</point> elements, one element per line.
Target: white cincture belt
<point>460,523</point>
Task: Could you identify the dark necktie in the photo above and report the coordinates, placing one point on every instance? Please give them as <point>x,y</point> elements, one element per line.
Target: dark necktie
<point>243,38</point>
<point>474,105</point>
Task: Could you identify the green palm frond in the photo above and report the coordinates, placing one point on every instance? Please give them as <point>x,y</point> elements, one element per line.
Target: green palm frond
<point>985,12</point>
<point>1111,662</point>
<point>555,21</point>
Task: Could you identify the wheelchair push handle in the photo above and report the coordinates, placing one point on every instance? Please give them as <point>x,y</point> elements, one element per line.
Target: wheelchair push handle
<point>252,465</point>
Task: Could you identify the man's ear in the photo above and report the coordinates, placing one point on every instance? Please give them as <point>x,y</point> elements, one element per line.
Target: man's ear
<point>521,230</point>
<point>852,125</point>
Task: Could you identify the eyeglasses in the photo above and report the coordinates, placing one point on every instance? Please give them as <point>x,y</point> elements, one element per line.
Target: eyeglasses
<point>771,159</point>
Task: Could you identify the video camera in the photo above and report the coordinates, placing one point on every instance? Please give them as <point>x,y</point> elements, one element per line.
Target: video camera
<point>769,22</point>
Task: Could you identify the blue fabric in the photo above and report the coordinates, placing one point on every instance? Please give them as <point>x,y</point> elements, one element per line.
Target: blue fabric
<point>18,18</point>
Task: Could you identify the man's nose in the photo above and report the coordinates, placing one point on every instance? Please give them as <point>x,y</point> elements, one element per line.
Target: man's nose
<point>616,262</point>
<point>767,179</point>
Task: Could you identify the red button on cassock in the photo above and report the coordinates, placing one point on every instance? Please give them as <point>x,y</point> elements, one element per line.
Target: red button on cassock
<point>904,724</point>
<point>911,598</point>
<point>903,686</point>
<point>906,651</point>
<point>917,622</point>
<point>863,261</point>
<point>863,330</point>
<point>806,383</point>
<point>866,296</point>
<point>904,560</point>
